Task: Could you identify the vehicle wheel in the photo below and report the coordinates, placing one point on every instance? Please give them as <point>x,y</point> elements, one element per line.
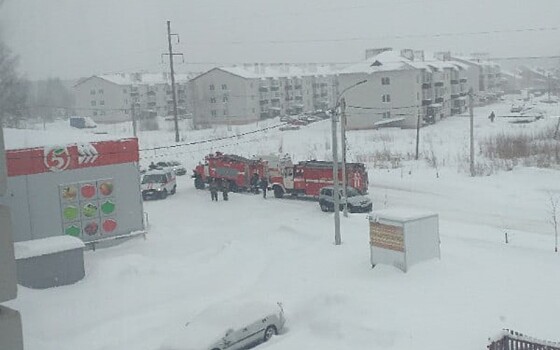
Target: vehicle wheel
<point>174,190</point>
<point>324,207</point>
<point>278,192</point>
<point>163,194</point>
<point>269,333</point>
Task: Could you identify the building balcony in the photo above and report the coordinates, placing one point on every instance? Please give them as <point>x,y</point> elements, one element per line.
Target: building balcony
<point>263,89</point>
<point>463,80</point>
<point>151,104</point>
<point>454,82</point>
<point>438,84</point>
<point>455,95</point>
<point>439,99</point>
<point>274,88</point>
<point>426,102</point>
<point>426,85</point>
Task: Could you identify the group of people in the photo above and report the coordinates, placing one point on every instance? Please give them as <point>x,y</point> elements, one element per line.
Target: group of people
<point>257,183</point>
<point>218,185</point>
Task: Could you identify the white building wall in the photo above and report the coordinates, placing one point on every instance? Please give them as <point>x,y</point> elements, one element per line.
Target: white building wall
<point>404,89</point>
<point>219,97</point>
<point>101,100</point>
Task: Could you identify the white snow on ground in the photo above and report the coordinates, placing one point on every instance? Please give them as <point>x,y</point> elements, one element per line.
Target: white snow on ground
<point>199,253</point>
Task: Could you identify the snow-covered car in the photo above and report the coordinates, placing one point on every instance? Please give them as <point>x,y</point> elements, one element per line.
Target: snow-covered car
<point>230,325</point>
<point>357,202</point>
<point>157,184</point>
<point>177,167</point>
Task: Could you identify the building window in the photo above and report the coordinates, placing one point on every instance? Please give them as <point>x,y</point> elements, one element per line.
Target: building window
<point>386,98</point>
<point>252,97</point>
<point>224,87</point>
<point>100,91</point>
<point>93,103</point>
<point>417,96</point>
<point>92,92</point>
<point>385,81</point>
<point>212,100</point>
<point>253,111</point>
<point>124,91</point>
<point>211,87</point>
<point>225,98</point>
<point>95,113</point>
<point>417,79</point>
<point>386,115</point>
<point>213,112</point>
<point>102,113</point>
<point>225,112</point>
<point>126,101</point>
<point>102,103</point>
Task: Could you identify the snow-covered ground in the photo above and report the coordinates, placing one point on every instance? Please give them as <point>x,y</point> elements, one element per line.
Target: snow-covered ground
<point>200,252</point>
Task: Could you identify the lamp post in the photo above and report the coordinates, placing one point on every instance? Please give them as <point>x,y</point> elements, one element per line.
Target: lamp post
<point>342,105</point>
<point>337,239</point>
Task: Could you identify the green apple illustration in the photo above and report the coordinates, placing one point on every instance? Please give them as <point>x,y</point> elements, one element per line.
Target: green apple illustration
<point>89,210</point>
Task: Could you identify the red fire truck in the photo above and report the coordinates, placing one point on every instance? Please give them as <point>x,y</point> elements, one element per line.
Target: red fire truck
<point>236,170</point>
<point>308,177</point>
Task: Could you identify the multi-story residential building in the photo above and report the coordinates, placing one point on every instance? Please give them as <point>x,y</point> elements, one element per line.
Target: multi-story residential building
<point>484,77</point>
<point>401,87</point>
<point>392,94</point>
<point>247,93</point>
<point>111,98</point>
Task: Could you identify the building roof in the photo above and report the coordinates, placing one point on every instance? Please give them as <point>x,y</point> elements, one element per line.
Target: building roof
<point>140,78</point>
<point>392,60</point>
<point>268,71</point>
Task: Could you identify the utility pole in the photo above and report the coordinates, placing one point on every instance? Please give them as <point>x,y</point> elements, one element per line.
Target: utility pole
<point>336,195</point>
<point>471,115</point>
<point>343,150</point>
<point>173,91</point>
<point>549,87</point>
<point>417,135</point>
<point>133,116</point>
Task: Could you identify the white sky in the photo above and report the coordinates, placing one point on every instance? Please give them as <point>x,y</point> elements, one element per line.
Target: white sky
<point>73,38</point>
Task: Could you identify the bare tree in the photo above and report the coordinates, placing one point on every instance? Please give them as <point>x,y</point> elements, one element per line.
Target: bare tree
<point>554,202</point>
<point>13,89</point>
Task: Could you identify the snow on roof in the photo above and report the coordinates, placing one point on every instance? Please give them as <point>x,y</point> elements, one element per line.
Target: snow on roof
<point>45,246</point>
<point>392,60</point>
<point>145,78</point>
<point>264,71</point>
<point>26,138</point>
<point>401,214</point>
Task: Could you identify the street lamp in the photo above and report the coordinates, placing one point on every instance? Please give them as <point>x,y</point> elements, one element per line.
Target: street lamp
<point>340,102</point>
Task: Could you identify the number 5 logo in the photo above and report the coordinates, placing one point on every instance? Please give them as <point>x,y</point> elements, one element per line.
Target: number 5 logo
<point>56,158</point>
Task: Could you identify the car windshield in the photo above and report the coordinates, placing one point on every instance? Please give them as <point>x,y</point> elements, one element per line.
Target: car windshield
<point>153,179</point>
<point>351,192</point>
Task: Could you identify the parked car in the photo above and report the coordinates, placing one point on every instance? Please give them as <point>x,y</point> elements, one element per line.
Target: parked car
<point>158,184</point>
<point>289,127</point>
<point>177,167</point>
<point>232,326</point>
<point>357,202</point>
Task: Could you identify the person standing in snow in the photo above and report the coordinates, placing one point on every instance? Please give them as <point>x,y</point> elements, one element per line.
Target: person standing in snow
<point>225,189</point>
<point>264,186</point>
<point>214,190</point>
<point>492,116</point>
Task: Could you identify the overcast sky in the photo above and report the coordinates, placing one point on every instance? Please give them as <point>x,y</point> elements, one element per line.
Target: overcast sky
<point>74,38</point>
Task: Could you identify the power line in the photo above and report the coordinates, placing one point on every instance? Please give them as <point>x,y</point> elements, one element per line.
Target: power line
<point>392,36</point>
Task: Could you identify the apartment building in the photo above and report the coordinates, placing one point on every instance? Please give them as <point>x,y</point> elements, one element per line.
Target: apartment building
<point>403,86</point>
<point>485,77</point>
<point>251,92</point>
<point>110,98</point>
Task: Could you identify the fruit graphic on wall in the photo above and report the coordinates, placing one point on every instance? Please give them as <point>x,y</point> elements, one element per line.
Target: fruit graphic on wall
<point>87,190</point>
<point>69,192</point>
<point>109,225</point>
<point>91,228</point>
<point>72,230</point>
<point>108,207</point>
<point>89,210</point>
<point>70,213</point>
<point>106,188</point>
